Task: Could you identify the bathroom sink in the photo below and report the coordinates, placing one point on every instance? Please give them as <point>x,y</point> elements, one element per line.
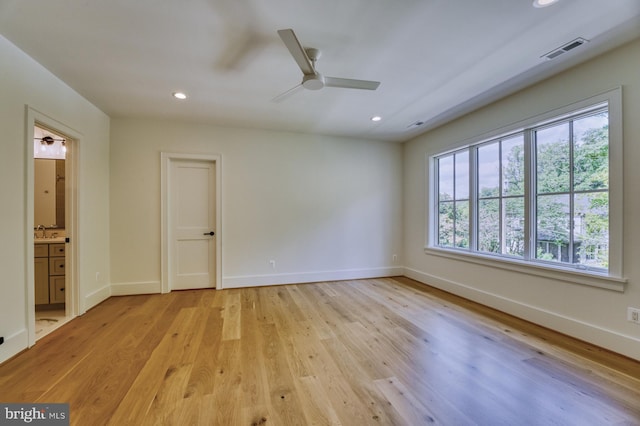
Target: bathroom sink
<point>48,240</point>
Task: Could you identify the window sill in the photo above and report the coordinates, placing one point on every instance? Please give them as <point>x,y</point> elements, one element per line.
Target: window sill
<point>559,273</point>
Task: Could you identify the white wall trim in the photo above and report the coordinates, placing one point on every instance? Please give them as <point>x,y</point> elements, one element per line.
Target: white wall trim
<point>552,271</point>
<point>74,304</point>
<point>614,341</point>
<point>135,288</point>
<point>14,344</point>
<point>98,296</point>
<point>309,277</point>
<point>165,159</point>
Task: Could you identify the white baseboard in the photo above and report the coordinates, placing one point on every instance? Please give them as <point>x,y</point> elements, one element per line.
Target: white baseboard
<point>96,297</point>
<point>128,289</point>
<point>614,341</point>
<point>309,277</point>
<point>14,344</point>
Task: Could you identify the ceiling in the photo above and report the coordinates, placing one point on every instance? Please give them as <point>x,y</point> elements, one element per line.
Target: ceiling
<point>435,59</point>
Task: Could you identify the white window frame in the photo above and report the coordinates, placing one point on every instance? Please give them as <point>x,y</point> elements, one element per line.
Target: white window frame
<point>612,279</point>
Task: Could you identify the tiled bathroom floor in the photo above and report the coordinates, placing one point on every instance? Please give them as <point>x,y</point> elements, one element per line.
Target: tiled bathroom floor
<point>47,321</point>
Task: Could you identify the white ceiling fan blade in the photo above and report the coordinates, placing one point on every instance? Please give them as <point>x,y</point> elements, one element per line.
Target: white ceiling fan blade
<point>297,51</point>
<point>349,83</point>
<point>282,96</point>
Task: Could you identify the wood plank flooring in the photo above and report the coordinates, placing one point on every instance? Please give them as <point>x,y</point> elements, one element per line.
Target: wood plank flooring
<point>367,352</point>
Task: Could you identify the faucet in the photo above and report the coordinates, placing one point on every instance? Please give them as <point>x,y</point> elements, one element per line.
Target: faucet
<point>44,230</point>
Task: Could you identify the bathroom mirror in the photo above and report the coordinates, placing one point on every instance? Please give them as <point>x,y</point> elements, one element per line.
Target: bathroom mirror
<point>49,193</point>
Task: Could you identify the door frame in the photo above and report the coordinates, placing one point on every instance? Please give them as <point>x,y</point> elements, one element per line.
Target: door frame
<point>72,189</point>
<point>166,159</point>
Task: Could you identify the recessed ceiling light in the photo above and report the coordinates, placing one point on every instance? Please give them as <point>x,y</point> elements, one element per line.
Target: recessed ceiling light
<point>376,118</point>
<point>179,95</point>
<point>543,3</point>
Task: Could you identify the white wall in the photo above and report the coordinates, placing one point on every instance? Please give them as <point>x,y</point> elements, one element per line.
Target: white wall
<point>25,83</point>
<point>322,207</point>
<point>591,314</point>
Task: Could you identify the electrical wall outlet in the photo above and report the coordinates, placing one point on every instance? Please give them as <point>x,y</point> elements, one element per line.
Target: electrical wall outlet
<point>273,264</point>
<point>633,315</point>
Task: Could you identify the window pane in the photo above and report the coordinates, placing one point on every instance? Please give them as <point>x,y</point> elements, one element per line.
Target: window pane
<point>566,186</point>
<point>489,225</point>
<point>462,224</point>
<point>489,170</point>
<point>591,152</point>
<point>552,233</point>
<point>445,224</point>
<point>552,158</point>
<point>462,175</point>
<point>445,178</point>
<point>591,229</point>
<point>513,224</point>
<point>513,166</point>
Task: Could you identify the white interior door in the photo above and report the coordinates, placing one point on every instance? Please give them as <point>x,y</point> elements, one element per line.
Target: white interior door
<point>192,224</point>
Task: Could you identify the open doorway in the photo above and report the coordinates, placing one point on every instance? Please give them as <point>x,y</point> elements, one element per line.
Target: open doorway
<point>51,217</point>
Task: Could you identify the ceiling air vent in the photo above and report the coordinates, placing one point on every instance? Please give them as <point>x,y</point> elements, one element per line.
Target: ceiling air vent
<point>564,49</point>
<point>415,124</point>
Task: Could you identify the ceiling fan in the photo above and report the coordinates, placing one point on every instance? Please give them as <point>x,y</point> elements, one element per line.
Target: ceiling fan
<point>311,78</point>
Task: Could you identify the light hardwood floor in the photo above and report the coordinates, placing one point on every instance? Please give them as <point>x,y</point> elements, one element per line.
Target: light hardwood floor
<point>380,351</point>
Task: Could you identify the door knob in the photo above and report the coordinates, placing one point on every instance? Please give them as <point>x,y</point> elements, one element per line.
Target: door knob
<point>209,233</point>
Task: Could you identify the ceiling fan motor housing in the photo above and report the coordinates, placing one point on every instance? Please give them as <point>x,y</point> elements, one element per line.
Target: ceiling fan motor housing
<point>313,81</point>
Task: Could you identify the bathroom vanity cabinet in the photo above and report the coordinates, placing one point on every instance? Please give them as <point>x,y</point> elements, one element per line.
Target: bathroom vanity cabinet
<point>49,271</point>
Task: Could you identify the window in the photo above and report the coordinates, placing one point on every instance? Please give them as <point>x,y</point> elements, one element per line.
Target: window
<point>501,196</point>
<point>453,208</point>
<point>536,195</point>
<point>572,181</point>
